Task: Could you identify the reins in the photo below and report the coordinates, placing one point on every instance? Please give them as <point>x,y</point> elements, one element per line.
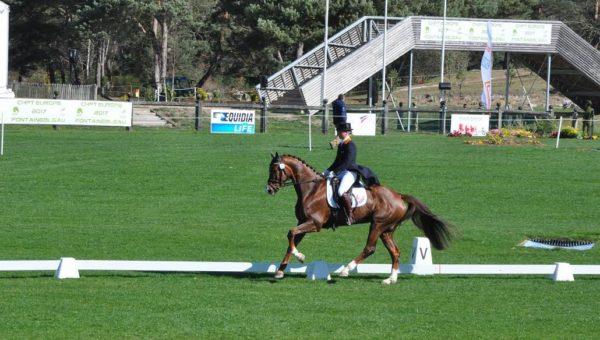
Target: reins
<point>290,181</point>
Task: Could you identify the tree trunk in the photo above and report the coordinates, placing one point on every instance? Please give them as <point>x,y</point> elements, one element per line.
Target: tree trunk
<point>63,75</point>
<point>157,59</point>
<point>51,75</point>
<point>105,57</point>
<point>597,9</point>
<point>300,50</point>
<point>87,64</point>
<point>208,73</point>
<point>99,62</point>
<point>164,50</point>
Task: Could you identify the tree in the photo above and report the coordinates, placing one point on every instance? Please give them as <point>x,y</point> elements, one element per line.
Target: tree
<point>104,31</point>
<point>272,33</point>
<point>153,19</point>
<point>578,15</point>
<point>41,35</point>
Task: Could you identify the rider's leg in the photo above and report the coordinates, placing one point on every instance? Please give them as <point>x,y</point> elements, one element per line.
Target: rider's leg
<point>347,179</point>
<point>346,202</point>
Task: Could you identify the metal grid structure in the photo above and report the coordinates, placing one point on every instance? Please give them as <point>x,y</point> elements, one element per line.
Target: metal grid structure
<point>567,62</point>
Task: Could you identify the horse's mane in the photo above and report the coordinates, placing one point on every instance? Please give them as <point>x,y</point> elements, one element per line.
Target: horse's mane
<point>303,162</point>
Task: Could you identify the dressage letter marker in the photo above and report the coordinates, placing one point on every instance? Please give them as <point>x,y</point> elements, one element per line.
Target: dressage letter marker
<point>420,259</point>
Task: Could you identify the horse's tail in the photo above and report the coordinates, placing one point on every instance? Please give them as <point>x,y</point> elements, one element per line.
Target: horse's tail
<point>439,232</point>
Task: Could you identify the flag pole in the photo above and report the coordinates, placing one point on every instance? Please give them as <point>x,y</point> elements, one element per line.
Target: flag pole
<point>443,44</point>
<point>324,74</point>
<point>385,20</point>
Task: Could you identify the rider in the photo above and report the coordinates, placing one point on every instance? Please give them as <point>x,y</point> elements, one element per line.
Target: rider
<point>345,168</point>
<point>340,115</point>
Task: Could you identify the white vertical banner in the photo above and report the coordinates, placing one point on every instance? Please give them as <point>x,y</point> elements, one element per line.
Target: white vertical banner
<point>4,39</point>
<point>486,70</point>
<point>363,124</point>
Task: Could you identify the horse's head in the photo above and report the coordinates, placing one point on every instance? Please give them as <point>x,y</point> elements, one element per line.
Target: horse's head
<point>279,174</point>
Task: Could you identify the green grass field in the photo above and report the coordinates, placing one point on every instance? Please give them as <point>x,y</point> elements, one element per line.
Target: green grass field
<point>108,194</point>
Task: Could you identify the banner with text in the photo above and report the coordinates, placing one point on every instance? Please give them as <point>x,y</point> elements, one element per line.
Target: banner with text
<point>232,121</point>
<point>475,125</point>
<point>476,31</point>
<point>26,111</point>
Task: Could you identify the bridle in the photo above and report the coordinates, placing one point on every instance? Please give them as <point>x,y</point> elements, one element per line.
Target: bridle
<point>284,180</point>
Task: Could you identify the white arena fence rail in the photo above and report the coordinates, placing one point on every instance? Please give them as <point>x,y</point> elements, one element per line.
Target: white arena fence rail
<point>424,119</point>
<point>420,264</point>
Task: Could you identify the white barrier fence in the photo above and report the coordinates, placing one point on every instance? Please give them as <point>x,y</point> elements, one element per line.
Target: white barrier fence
<point>420,264</point>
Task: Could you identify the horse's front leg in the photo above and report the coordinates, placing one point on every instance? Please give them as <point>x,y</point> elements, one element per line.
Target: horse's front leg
<point>295,236</point>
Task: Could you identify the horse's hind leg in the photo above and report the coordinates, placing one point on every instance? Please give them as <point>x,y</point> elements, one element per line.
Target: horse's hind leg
<point>388,240</point>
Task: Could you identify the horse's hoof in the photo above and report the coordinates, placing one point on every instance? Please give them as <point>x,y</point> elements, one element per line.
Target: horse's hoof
<point>279,274</point>
<point>345,272</point>
<point>300,257</point>
<point>388,281</point>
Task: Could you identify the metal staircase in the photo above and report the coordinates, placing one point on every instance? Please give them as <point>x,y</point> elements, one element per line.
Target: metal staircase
<point>355,54</point>
<point>289,85</point>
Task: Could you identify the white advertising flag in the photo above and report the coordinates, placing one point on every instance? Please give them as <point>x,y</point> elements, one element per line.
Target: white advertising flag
<point>486,70</point>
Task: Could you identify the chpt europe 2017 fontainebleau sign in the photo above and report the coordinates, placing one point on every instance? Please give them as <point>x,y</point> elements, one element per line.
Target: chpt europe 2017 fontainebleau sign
<point>26,111</point>
<point>508,32</point>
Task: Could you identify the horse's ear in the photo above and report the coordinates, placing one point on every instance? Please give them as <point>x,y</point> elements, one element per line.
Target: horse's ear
<point>272,155</point>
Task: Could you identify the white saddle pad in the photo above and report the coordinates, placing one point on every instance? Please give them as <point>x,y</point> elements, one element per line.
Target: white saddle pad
<point>358,194</point>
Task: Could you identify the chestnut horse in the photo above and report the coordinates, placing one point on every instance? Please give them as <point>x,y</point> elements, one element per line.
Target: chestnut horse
<point>385,210</point>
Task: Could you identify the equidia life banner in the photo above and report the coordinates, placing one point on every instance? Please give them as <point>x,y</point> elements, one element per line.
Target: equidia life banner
<point>232,121</point>
<point>28,111</point>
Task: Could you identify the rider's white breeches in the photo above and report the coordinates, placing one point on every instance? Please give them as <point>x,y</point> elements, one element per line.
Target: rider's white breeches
<point>347,178</point>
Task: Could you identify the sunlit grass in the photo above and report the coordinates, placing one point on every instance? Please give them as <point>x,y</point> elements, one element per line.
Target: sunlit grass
<point>178,195</point>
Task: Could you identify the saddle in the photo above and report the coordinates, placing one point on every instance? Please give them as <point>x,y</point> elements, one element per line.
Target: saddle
<point>358,193</point>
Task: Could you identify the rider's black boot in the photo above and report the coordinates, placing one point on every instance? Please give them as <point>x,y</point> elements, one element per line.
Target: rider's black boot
<point>346,201</point>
